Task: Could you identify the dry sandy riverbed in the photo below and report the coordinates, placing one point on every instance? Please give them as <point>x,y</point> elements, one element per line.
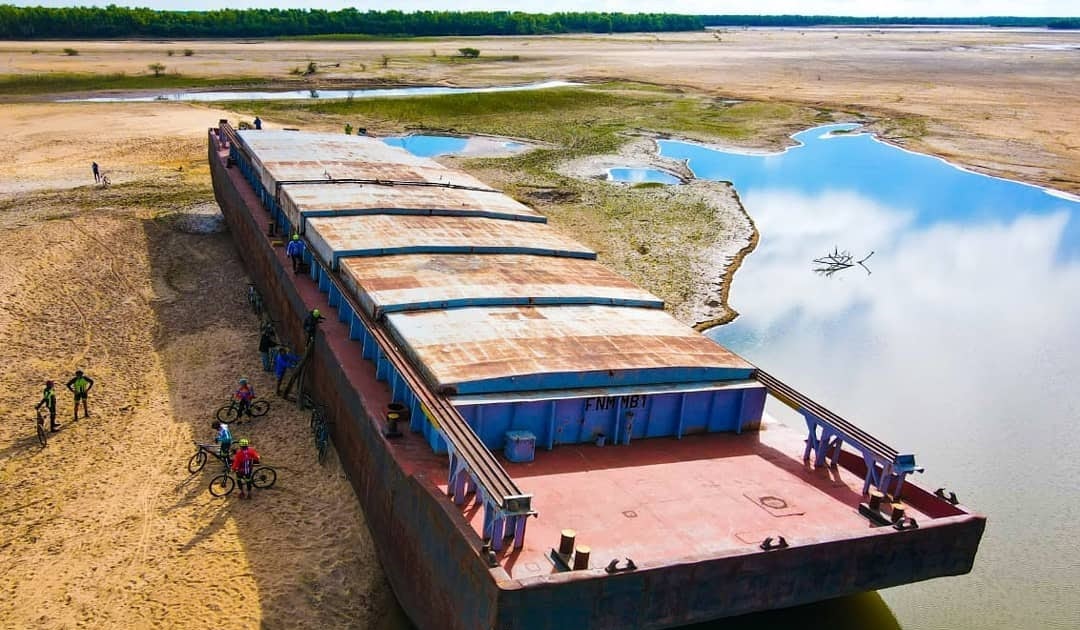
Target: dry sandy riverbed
<point>104,528</point>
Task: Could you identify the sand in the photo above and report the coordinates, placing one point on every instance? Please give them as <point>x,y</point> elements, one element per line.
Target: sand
<point>105,527</point>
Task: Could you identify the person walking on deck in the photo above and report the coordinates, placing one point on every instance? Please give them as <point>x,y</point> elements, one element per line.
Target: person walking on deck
<point>81,386</point>
<point>97,172</point>
<point>266,344</point>
<point>295,251</point>
<point>282,362</point>
<point>48,400</point>
<point>311,323</point>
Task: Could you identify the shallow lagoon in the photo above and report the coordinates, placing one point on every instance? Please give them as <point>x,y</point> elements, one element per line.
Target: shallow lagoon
<point>958,346</point>
<point>289,95</point>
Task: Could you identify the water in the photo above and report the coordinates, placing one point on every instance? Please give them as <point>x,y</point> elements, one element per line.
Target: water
<point>957,343</point>
<point>642,175</point>
<point>247,95</point>
<point>428,146</point>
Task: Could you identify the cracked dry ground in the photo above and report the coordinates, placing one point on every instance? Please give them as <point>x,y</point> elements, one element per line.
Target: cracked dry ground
<point>105,527</point>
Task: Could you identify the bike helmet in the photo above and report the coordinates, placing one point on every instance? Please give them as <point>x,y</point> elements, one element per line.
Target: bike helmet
<point>243,380</point>
<point>316,313</point>
<point>244,442</point>
<point>48,383</point>
<point>78,372</point>
<point>296,237</point>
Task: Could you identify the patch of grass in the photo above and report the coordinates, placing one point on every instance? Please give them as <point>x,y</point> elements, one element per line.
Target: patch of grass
<point>653,234</point>
<point>905,127</point>
<point>58,82</point>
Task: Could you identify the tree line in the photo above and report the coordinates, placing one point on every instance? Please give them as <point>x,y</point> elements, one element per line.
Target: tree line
<point>806,21</point>
<point>114,21</point>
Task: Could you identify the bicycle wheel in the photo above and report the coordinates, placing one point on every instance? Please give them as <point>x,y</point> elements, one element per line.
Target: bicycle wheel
<point>197,461</point>
<point>259,408</point>
<point>222,485</point>
<point>226,414</point>
<point>42,436</point>
<point>263,477</point>
<point>322,442</point>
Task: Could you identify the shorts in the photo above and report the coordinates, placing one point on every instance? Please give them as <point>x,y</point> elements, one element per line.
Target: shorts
<point>81,396</point>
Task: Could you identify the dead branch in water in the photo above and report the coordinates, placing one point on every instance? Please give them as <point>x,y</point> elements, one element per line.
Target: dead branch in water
<point>838,261</point>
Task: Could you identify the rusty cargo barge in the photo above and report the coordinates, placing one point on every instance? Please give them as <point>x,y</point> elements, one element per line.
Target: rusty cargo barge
<point>571,456</point>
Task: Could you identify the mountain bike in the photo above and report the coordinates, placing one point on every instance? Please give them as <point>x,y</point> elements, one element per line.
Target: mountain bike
<point>320,430</point>
<point>231,412</point>
<point>254,299</point>
<point>262,477</point>
<point>205,451</point>
<point>42,434</point>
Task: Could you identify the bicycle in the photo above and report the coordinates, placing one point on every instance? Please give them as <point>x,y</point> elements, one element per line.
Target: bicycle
<point>262,477</point>
<point>202,451</point>
<point>320,430</point>
<point>254,299</point>
<point>231,412</point>
<point>42,435</point>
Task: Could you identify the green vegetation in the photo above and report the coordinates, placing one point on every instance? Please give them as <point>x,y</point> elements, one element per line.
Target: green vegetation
<point>114,21</point>
<point>71,52</point>
<point>649,233</point>
<point>58,82</point>
<point>156,68</point>
<point>469,52</point>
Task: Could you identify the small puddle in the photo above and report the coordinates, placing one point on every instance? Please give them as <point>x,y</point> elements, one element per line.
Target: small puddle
<point>432,146</point>
<point>642,176</point>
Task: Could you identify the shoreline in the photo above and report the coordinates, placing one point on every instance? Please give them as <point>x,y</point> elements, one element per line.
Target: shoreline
<point>714,269</point>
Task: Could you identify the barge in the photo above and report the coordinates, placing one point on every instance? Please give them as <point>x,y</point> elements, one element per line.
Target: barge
<point>569,455</point>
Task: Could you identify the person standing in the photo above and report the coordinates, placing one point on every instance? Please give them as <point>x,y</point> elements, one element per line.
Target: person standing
<point>97,172</point>
<point>243,464</point>
<point>311,323</point>
<point>266,344</point>
<point>258,123</point>
<point>80,386</point>
<point>48,400</point>
<point>295,251</point>
<point>282,362</point>
<point>224,439</point>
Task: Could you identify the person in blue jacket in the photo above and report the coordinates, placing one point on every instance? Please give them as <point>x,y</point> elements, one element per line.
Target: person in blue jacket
<point>282,362</point>
<point>295,251</point>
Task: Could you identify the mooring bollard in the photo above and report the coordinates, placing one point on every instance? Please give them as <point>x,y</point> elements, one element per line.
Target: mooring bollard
<point>395,412</point>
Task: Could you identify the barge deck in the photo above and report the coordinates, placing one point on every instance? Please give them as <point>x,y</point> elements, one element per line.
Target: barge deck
<point>695,490</point>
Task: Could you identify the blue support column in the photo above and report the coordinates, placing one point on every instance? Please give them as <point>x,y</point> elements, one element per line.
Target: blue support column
<point>334,299</point>
<point>356,330</point>
<point>682,410</point>
<point>551,427</point>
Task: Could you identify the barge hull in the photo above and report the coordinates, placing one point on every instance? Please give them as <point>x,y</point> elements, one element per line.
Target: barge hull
<point>431,554</point>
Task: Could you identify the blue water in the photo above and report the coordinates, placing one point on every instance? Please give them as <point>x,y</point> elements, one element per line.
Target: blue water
<point>957,342</point>
<point>432,146</point>
<point>428,146</point>
<point>642,175</point>
<point>287,95</point>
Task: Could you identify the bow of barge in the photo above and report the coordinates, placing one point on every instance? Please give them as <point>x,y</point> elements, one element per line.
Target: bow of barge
<point>571,456</point>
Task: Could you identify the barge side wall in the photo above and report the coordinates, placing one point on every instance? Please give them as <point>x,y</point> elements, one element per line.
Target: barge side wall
<point>423,548</point>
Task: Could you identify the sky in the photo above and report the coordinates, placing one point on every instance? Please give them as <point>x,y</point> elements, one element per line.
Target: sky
<point>884,8</point>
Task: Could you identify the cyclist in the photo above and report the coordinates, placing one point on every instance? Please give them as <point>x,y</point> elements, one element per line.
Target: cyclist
<point>311,323</point>
<point>266,344</point>
<point>244,465</point>
<point>244,395</point>
<point>223,438</point>
<point>80,386</point>
<point>48,400</point>
<point>295,251</point>
<point>282,362</point>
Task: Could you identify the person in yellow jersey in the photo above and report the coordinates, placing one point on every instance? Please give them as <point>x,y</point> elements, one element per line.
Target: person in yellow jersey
<point>48,400</point>
<point>81,386</point>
